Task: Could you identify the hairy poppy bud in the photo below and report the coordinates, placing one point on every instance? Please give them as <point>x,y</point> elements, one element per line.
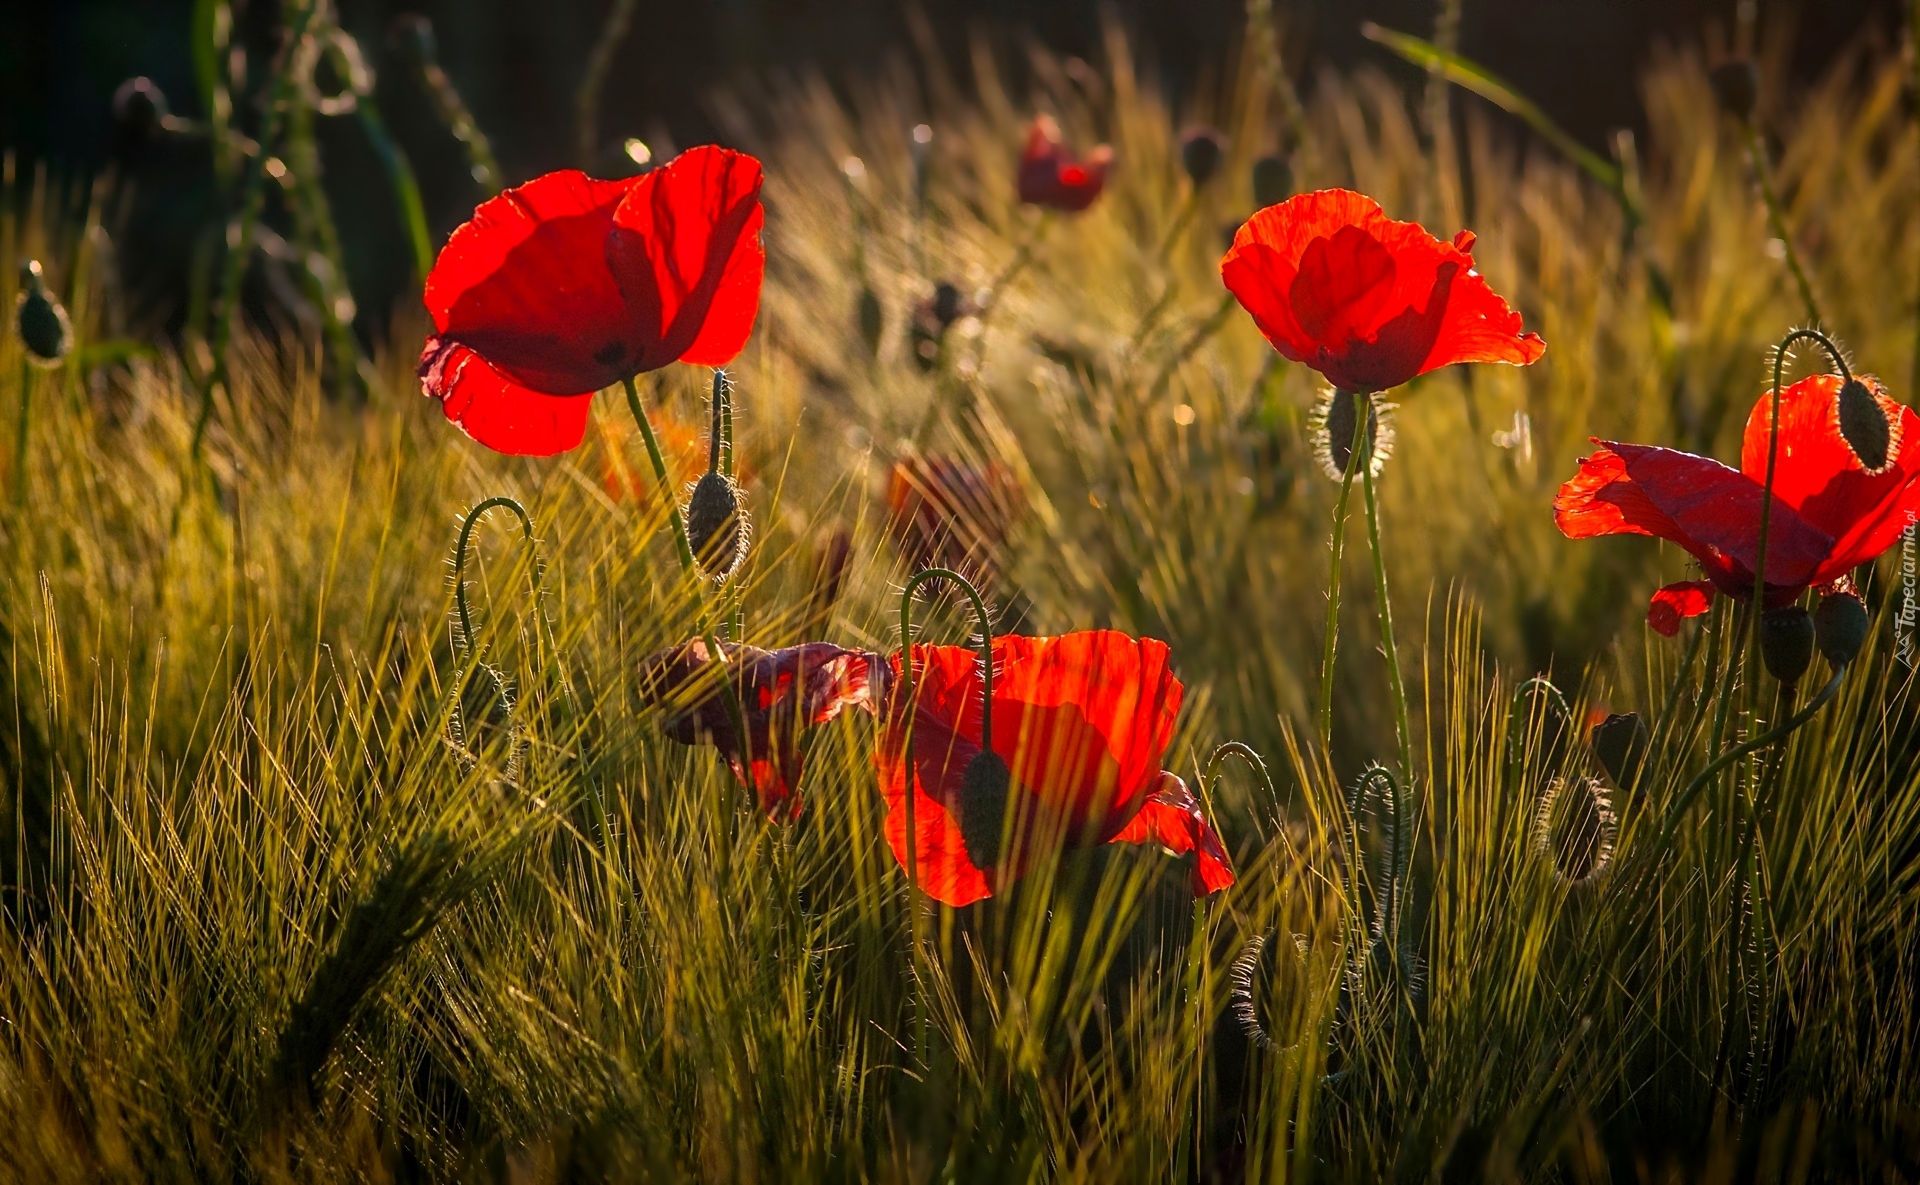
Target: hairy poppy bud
<point>1574,830</point>
<point>1786,643</point>
<point>1621,742</point>
<point>42,323</point>
<point>1334,421</point>
<point>984,788</point>
<point>1272,181</point>
<point>717,525</point>
<point>1840,627</point>
<point>140,108</point>
<point>872,323</point>
<point>1736,86</point>
<point>1863,423</point>
<point>1201,153</point>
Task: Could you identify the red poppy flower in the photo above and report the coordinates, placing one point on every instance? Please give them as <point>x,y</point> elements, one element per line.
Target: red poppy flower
<point>566,285</point>
<point>1366,301</point>
<point>949,514</point>
<point>781,692</point>
<point>1829,514</point>
<point>1081,721</point>
<point>1050,175</point>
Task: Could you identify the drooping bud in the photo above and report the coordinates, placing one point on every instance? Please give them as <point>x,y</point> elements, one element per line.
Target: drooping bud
<point>1333,422</point>
<point>1574,830</point>
<point>1201,153</point>
<point>1786,642</point>
<point>872,322</point>
<point>140,108</point>
<point>1620,742</point>
<point>984,789</point>
<point>1736,87</point>
<point>1272,181</point>
<point>42,323</point>
<point>1865,426</point>
<point>717,525</point>
<point>1840,627</point>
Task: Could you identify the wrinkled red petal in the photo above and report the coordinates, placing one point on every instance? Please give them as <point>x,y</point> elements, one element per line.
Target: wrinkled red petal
<point>940,755</point>
<point>1171,817</point>
<point>1817,474</point>
<point>495,410</point>
<point>1367,301</point>
<point>525,284</point>
<point>685,250</point>
<point>1676,602</point>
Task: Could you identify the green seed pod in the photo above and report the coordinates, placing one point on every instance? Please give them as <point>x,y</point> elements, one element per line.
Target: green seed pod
<point>1736,86</point>
<point>1864,425</point>
<point>42,323</point>
<point>1201,153</point>
<point>717,525</point>
<point>984,789</point>
<point>1620,742</point>
<point>1786,643</point>
<point>1840,627</point>
<point>872,323</point>
<point>1272,181</point>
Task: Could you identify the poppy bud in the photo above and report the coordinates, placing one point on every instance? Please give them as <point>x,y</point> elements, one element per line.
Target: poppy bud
<point>717,525</point>
<point>872,323</point>
<point>1272,181</point>
<point>1840,627</point>
<point>1620,742</point>
<point>43,325</point>
<point>1334,421</point>
<point>984,788</point>
<point>140,108</point>
<point>1736,85</point>
<point>946,303</point>
<point>1201,153</point>
<point>1786,643</point>
<point>1863,423</point>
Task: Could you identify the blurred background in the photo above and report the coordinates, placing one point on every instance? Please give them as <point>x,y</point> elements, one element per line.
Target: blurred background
<point>520,68</point>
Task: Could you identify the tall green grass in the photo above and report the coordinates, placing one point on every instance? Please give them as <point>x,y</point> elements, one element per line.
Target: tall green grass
<point>292,893</point>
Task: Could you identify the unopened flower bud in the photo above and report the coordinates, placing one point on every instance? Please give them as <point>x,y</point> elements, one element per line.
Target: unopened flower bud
<point>946,303</point>
<point>1840,627</point>
<point>1736,86</point>
<point>1865,427</point>
<point>716,525</point>
<point>872,322</point>
<point>1272,181</point>
<point>42,323</point>
<point>1201,154</point>
<point>140,108</point>
<point>1786,642</point>
<point>984,789</point>
<point>1620,742</point>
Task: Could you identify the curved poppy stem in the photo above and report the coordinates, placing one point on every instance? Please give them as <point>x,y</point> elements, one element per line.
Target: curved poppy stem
<point>1333,579</point>
<point>1402,731</point>
<point>460,559</point>
<point>1553,697</point>
<point>985,621</point>
<point>1246,752</point>
<point>1399,840</point>
<point>660,473</point>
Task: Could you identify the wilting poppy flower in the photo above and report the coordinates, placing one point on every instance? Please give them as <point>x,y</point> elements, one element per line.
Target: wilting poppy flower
<point>950,514</point>
<point>1051,176</point>
<point>1081,721</point>
<point>566,285</point>
<point>781,692</point>
<point>1366,301</point>
<point>1829,513</point>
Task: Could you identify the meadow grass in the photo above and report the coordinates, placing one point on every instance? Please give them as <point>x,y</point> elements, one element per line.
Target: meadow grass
<point>298,887</point>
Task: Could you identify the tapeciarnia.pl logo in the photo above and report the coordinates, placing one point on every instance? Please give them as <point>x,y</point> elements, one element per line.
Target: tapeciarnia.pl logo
<point>1903,624</point>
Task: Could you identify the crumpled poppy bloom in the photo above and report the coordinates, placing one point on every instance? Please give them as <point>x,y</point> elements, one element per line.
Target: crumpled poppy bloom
<point>1082,722</point>
<point>1368,302</point>
<point>1829,514</point>
<point>946,513</point>
<point>566,285</point>
<point>1052,176</point>
<point>781,693</point>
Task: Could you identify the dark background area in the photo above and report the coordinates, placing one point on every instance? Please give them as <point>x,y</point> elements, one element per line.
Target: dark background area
<point>519,63</point>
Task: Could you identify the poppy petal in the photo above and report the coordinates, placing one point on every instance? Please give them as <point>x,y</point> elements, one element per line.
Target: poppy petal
<point>1676,602</point>
<point>686,252</point>
<point>525,283</point>
<point>940,756</point>
<point>495,410</point>
<point>1171,817</point>
<point>1818,475</point>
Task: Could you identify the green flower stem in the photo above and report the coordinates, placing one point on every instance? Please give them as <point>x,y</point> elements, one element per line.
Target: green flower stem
<point>1402,732</point>
<point>666,481</point>
<point>460,550</point>
<point>1333,579</point>
<point>20,439</point>
<point>1776,216</point>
